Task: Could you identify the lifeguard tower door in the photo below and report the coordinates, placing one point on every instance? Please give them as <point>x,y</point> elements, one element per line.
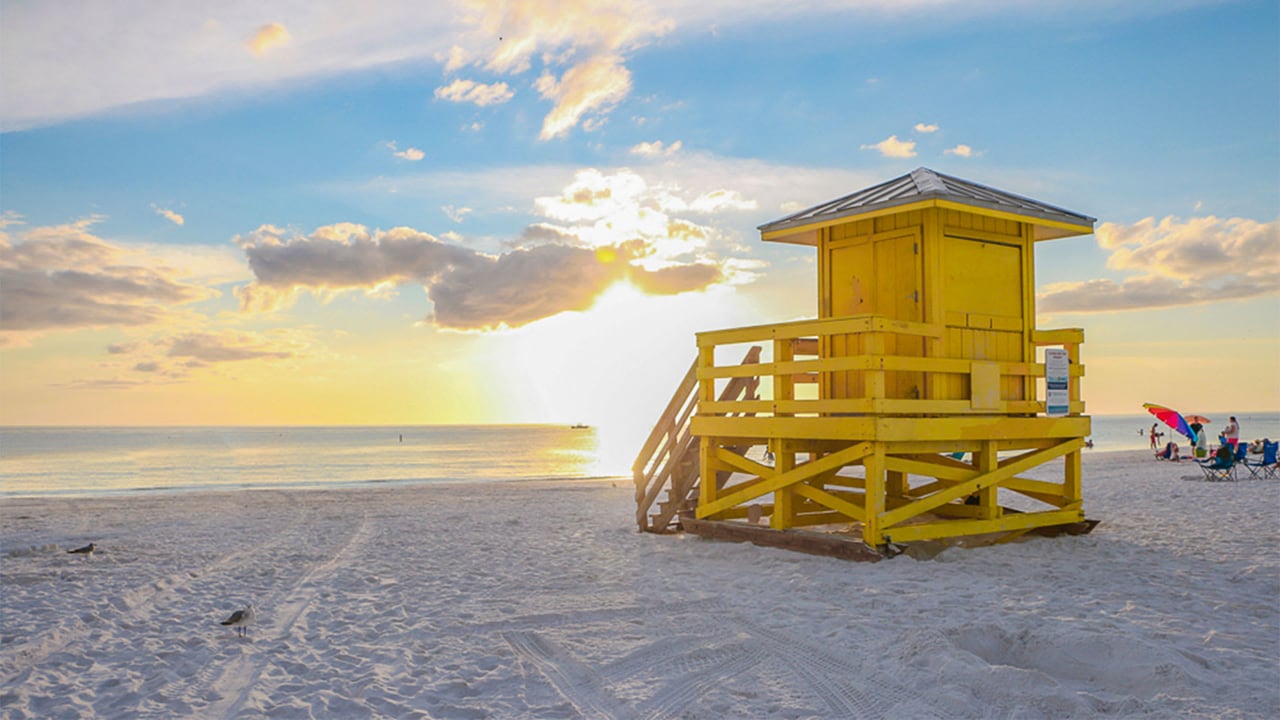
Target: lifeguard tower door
<point>878,274</point>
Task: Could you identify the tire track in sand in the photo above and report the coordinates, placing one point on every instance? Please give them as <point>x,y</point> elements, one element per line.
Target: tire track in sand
<point>833,680</point>
<point>577,682</point>
<point>237,678</point>
<point>134,604</point>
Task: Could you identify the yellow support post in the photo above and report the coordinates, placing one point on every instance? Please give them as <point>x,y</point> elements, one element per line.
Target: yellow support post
<point>784,509</point>
<point>895,484</point>
<point>987,461</point>
<point>874,466</point>
<point>707,491</point>
<point>1071,490</point>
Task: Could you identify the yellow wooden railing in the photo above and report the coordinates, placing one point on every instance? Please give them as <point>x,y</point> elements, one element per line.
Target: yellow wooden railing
<point>797,360</point>
<point>662,458</point>
<point>668,459</point>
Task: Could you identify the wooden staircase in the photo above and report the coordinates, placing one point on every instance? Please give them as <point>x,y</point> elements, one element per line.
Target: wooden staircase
<point>668,464</point>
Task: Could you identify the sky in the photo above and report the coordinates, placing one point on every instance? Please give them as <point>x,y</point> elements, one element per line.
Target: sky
<point>513,212</point>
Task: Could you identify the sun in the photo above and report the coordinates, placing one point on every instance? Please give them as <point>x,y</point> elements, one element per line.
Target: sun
<point>613,366</point>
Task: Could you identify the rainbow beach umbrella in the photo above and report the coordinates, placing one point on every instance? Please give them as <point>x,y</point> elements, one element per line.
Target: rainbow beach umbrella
<point>1172,418</point>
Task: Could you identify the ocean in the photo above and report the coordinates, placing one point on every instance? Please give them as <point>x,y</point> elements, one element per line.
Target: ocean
<point>106,460</point>
<point>1131,432</point>
<point>99,461</point>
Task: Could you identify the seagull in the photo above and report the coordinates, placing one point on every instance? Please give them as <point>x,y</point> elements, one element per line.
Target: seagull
<point>240,619</point>
<point>86,550</point>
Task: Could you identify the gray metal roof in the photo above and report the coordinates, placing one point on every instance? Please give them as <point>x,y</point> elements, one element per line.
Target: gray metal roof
<point>925,184</point>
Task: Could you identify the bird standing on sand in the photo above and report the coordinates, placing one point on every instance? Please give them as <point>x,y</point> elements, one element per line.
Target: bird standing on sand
<point>240,620</point>
<point>87,550</point>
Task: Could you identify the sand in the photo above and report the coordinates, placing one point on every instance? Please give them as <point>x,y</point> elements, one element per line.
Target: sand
<point>540,600</point>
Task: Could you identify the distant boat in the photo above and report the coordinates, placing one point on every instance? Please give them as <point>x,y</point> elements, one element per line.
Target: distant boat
<point>579,426</point>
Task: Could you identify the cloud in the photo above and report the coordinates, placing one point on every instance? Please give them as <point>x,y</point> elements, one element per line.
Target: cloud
<point>594,86</point>
<point>455,214</point>
<point>469,290</point>
<point>470,91</point>
<point>169,215</point>
<point>1177,263</point>
<point>176,357</point>
<point>718,201</point>
<point>205,347</point>
<point>411,154</point>
<point>656,149</point>
<point>893,147</point>
<point>603,228</point>
<point>582,47</point>
<point>268,37</point>
<point>64,277</point>
<point>923,128</point>
<point>748,192</point>
<point>456,59</point>
<point>82,57</point>
<point>676,279</point>
<point>521,286</point>
<point>593,195</point>
<point>960,151</point>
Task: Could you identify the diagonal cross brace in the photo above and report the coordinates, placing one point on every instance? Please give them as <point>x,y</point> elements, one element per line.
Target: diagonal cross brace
<point>834,461</point>
<point>826,499</point>
<point>1003,472</point>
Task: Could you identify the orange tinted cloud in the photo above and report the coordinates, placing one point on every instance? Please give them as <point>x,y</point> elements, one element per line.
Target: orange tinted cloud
<point>594,86</point>
<point>656,149</point>
<point>893,147</point>
<point>589,39</point>
<point>469,91</point>
<point>267,38</point>
<point>1177,263</point>
<point>169,215</point>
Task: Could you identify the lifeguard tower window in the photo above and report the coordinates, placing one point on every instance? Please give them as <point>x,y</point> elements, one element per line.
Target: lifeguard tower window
<point>983,278</point>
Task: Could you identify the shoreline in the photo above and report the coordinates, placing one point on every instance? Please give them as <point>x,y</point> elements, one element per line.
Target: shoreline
<point>294,487</point>
<point>362,484</point>
<point>540,599</point>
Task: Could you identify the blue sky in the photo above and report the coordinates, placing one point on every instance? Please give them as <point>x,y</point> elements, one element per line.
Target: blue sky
<point>249,168</point>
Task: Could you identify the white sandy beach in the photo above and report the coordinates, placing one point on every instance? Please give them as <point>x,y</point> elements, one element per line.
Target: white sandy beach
<point>540,600</point>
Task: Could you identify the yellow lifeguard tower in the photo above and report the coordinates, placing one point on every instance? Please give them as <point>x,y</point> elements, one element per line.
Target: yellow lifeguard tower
<point>909,410</point>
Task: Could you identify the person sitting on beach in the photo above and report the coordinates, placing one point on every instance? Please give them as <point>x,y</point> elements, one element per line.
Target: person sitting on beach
<point>1224,456</point>
<point>1222,459</point>
<point>1170,452</point>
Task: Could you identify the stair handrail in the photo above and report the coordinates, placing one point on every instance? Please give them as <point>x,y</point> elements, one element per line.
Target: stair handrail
<point>671,440</point>
<point>656,456</point>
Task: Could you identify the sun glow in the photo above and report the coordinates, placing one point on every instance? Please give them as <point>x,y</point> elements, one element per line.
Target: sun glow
<point>613,367</point>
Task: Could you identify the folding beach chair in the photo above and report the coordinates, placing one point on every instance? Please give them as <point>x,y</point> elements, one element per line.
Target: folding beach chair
<point>1265,468</point>
<point>1219,468</point>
